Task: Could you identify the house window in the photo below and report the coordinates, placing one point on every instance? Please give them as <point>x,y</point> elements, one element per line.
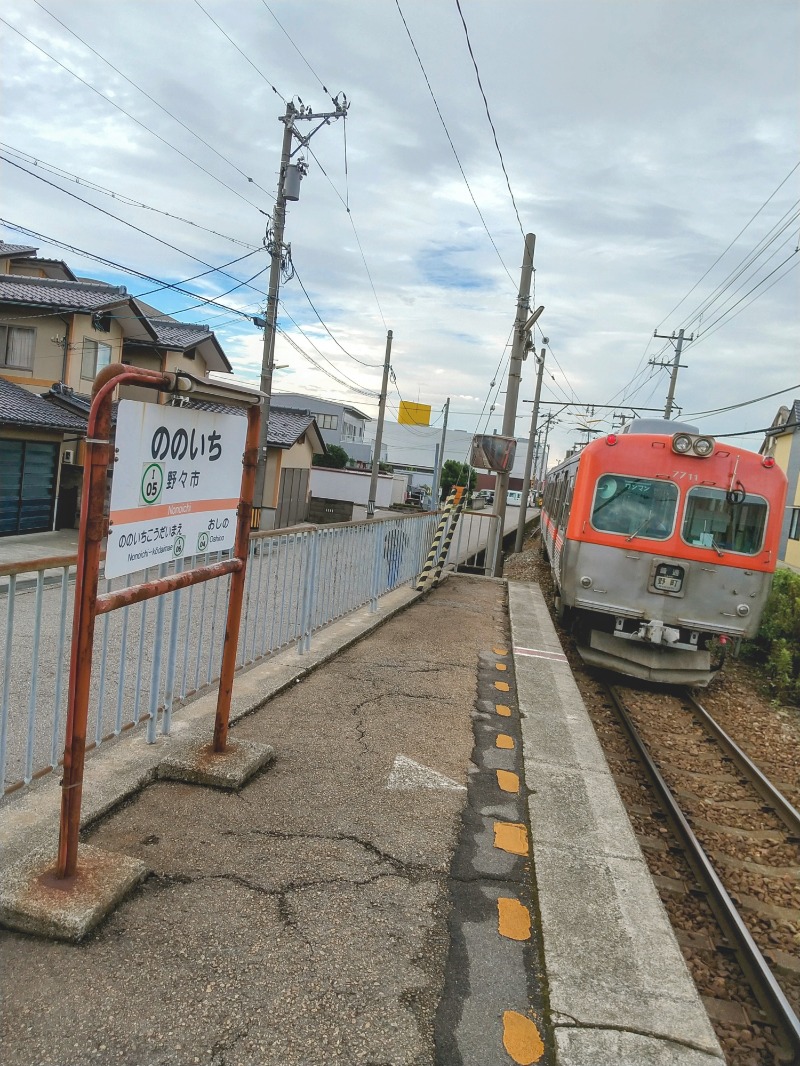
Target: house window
<point>95,356</point>
<point>17,345</point>
<point>794,524</point>
<point>328,421</point>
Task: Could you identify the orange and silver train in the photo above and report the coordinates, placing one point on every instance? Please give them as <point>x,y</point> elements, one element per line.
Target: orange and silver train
<point>662,542</point>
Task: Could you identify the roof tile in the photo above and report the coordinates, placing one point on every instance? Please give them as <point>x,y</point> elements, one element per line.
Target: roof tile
<point>50,292</point>
<point>22,408</point>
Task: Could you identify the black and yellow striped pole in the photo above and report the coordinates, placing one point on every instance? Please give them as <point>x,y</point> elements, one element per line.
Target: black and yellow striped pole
<point>431,560</point>
<point>462,503</point>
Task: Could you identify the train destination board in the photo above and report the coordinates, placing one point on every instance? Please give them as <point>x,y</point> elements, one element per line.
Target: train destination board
<point>175,487</point>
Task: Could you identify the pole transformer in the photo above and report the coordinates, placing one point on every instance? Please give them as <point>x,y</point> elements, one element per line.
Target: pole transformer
<point>522,325</point>
<point>289,179</point>
<point>376,454</point>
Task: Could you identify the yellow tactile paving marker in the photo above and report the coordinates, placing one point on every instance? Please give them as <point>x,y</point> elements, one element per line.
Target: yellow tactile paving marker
<point>502,686</point>
<point>508,781</point>
<point>513,919</point>
<point>521,1038</point>
<point>500,651</point>
<point>504,741</point>
<point>500,666</point>
<point>511,837</point>
<point>503,709</point>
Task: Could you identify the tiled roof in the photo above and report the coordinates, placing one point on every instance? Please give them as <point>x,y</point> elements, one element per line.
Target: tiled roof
<point>286,427</point>
<point>66,295</point>
<point>178,334</point>
<point>16,249</point>
<point>22,408</point>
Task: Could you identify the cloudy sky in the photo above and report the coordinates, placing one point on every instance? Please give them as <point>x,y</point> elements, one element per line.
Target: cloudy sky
<point>651,145</point>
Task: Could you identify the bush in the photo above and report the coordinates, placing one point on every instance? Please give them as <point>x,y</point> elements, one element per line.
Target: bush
<point>778,640</point>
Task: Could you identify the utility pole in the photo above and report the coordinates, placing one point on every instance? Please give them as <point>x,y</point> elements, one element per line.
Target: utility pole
<point>376,454</point>
<point>543,463</point>
<point>522,324</point>
<point>437,474</point>
<point>288,189</point>
<point>526,481</point>
<point>676,363</point>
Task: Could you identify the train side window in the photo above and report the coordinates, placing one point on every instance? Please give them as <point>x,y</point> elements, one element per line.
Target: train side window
<point>634,507</point>
<point>712,521</point>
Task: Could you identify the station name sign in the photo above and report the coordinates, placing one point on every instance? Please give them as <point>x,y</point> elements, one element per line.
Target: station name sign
<point>175,486</point>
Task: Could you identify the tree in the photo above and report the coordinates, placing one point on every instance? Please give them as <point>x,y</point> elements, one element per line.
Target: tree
<point>336,458</point>
<point>455,473</point>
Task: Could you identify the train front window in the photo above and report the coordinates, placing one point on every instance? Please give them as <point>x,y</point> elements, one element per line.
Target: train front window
<point>718,520</point>
<point>634,506</point>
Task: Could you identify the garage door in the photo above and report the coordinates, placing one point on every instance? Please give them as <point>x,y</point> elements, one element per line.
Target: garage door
<point>27,486</point>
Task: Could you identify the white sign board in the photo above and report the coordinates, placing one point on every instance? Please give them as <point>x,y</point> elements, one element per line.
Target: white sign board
<point>175,487</point>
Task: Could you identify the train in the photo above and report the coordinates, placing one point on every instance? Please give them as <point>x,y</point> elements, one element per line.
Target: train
<point>662,542</point>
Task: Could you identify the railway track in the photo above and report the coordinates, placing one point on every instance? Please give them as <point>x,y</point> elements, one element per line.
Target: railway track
<point>724,848</point>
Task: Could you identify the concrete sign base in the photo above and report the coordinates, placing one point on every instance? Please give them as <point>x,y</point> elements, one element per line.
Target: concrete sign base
<point>199,764</point>
<point>34,901</point>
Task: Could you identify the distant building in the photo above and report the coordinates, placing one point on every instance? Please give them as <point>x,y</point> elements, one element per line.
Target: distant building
<point>783,443</point>
<point>339,423</point>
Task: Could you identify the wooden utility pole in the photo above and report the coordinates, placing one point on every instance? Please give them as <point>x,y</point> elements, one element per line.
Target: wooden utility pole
<point>522,324</point>
<point>376,454</point>
<point>676,363</point>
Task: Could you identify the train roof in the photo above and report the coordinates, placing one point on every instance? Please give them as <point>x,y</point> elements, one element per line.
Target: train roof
<point>658,425</point>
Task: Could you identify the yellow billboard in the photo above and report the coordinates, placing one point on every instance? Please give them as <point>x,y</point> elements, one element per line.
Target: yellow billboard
<point>414,414</point>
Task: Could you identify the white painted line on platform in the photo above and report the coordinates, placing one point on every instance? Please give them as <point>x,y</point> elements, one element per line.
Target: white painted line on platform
<point>407,774</point>
<point>536,653</point>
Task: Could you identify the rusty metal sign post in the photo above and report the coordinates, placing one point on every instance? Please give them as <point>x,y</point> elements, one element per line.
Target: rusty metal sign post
<point>88,604</point>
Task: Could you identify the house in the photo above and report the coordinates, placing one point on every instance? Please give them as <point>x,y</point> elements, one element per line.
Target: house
<point>339,423</point>
<point>293,439</point>
<point>56,332</point>
<point>783,443</point>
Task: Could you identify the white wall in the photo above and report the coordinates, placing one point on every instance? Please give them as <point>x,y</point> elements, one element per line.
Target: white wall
<point>351,485</point>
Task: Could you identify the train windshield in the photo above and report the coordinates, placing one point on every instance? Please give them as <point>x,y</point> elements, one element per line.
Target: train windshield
<point>713,521</point>
<point>634,506</point>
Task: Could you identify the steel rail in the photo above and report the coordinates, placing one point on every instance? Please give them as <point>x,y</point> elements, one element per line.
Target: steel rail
<point>765,987</point>
<point>765,788</point>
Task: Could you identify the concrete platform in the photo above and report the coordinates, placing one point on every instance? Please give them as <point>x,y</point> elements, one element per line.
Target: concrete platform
<point>619,990</point>
<point>198,764</point>
<point>32,900</point>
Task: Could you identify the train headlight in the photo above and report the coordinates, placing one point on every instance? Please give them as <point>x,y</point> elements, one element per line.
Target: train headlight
<point>703,446</point>
<point>743,610</point>
<point>681,443</point>
<point>586,582</point>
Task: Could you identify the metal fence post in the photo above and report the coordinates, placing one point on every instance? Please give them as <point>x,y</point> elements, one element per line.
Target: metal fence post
<point>376,572</point>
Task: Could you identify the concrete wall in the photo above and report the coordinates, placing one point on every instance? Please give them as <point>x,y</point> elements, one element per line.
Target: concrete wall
<point>350,485</point>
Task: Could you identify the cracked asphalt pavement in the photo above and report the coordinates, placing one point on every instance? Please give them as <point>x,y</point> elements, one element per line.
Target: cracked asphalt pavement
<point>303,920</point>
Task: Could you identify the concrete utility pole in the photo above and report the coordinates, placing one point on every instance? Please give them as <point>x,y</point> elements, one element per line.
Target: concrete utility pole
<point>437,474</point>
<point>526,481</point>
<point>676,363</point>
<point>376,454</point>
<point>288,189</point>
<point>522,325</point>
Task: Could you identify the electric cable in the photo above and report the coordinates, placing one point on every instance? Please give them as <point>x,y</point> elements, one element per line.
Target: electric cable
<point>450,140</point>
<point>153,100</point>
<point>489,117</point>
<point>325,327</point>
<point>138,122</point>
<point>244,56</point>
<point>66,175</point>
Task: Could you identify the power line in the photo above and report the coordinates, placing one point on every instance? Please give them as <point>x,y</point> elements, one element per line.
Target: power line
<point>450,141</point>
<point>244,56</point>
<point>746,403</point>
<point>124,222</point>
<point>324,326</point>
<point>735,239</point>
<point>66,175</point>
<point>489,116</point>
<point>153,100</point>
<point>119,266</point>
<point>292,43</point>
<point>127,114</point>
